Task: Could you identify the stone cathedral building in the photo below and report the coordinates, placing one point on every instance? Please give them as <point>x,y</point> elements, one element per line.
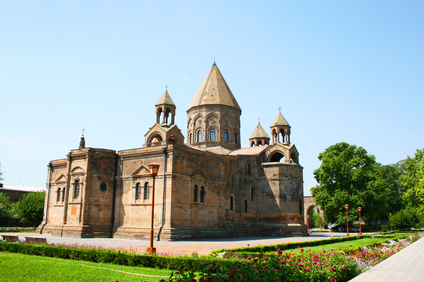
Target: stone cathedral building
<point>207,185</point>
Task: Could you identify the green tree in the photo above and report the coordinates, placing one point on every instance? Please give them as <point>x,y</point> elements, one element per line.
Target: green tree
<point>318,220</point>
<point>31,207</point>
<point>6,213</point>
<point>413,179</point>
<point>410,217</point>
<point>348,175</point>
<point>391,174</point>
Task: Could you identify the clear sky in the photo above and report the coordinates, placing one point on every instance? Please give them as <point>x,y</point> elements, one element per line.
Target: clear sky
<point>349,71</point>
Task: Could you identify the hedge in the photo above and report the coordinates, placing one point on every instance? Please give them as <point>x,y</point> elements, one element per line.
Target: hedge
<point>117,257</point>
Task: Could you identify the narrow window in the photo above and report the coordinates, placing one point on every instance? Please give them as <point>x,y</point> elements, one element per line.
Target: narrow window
<point>225,135</point>
<point>231,203</point>
<point>248,168</point>
<point>212,134</point>
<point>190,138</point>
<point>58,195</point>
<point>137,191</point>
<point>235,137</point>
<point>252,193</point>
<point>199,136</point>
<point>76,188</point>
<point>245,206</point>
<point>196,190</point>
<point>202,194</point>
<point>63,194</point>
<point>146,191</point>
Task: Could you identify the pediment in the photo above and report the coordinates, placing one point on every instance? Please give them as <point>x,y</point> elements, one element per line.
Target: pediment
<point>77,170</point>
<point>199,175</point>
<point>61,179</point>
<point>141,171</point>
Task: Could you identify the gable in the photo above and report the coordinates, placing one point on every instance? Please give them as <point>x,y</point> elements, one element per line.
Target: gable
<point>141,171</point>
<point>61,179</point>
<point>200,175</point>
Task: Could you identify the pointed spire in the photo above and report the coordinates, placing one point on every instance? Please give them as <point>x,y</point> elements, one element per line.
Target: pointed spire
<point>214,91</point>
<point>280,120</point>
<point>165,99</point>
<point>259,132</point>
<point>259,136</point>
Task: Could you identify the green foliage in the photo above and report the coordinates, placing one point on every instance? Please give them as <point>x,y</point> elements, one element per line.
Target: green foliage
<point>410,217</point>
<point>117,257</point>
<point>318,220</point>
<point>30,208</point>
<point>413,179</point>
<point>6,208</point>
<point>348,175</point>
<point>391,174</point>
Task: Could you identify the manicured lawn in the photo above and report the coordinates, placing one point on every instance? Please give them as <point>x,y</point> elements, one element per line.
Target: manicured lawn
<point>340,245</point>
<point>20,267</point>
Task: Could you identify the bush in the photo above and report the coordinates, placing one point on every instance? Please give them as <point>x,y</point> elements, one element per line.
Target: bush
<point>410,217</point>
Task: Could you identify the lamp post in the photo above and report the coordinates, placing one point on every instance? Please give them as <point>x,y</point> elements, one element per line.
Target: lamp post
<point>153,168</point>
<point>391,227</point>
<point>307,219</point>
<point>347,219</point>
<point>360,229</point>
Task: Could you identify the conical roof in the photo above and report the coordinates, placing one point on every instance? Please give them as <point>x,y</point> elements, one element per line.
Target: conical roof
<point>214,91</point>
<point>280,120</point>
<point>165,99</point>
<point>259,132</point>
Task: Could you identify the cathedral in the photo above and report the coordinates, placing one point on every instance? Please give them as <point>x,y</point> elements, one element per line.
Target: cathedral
<point>207,186</point>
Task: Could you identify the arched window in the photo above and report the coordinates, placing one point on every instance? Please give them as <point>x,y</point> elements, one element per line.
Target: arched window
<point>199,136</point>
<point>252,193</point>
<point>231,203</point>
<point>245,206</point>
<point>212,134</point>
<point>225,135</point>
<point>58,195</point>
<point>63,194</point>
<point>196,191</point>
<point>202,194</point>
<point>137,191</point>
<point>146,191</point>
<point>235,137</point>
<point>190,138</point>
<point>76,188</point>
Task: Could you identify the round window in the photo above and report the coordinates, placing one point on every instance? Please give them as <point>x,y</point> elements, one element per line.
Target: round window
<point>103,187</point>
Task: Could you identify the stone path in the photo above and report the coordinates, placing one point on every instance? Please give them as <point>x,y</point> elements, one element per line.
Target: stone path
<point>182,247</point>
<point>405,266</point>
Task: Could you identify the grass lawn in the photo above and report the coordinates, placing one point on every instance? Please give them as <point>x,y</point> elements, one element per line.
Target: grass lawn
<point>339,245</point>
<point>20,267</point>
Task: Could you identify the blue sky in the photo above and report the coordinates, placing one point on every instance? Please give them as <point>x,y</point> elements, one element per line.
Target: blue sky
<point>347,71</point>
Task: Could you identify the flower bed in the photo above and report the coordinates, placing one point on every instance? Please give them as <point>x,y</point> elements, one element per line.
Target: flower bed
<point>302,265</point>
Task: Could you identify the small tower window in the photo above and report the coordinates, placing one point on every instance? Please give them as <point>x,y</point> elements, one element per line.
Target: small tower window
<point>195,192</point>
<point>199,136</point>
<point>63,194</point>
<point>202,194</point>
<point>231,203</point>
<point>225,135</point>
<point>245,206</point>
<point>58,195</point>
<point>76,188</point>
<point>212,134</point>
<point>137,191</point>
<point>146,191</point>
<point>252,193</point>
<point>235,137</point>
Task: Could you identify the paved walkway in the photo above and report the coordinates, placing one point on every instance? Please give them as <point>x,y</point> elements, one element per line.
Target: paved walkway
<point>405,266</point>
<point>181,247</point>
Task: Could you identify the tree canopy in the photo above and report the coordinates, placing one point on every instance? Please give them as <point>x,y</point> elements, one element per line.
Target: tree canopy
<point>348,175</point>
<point>413,179</point>
<point>30,208</point>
